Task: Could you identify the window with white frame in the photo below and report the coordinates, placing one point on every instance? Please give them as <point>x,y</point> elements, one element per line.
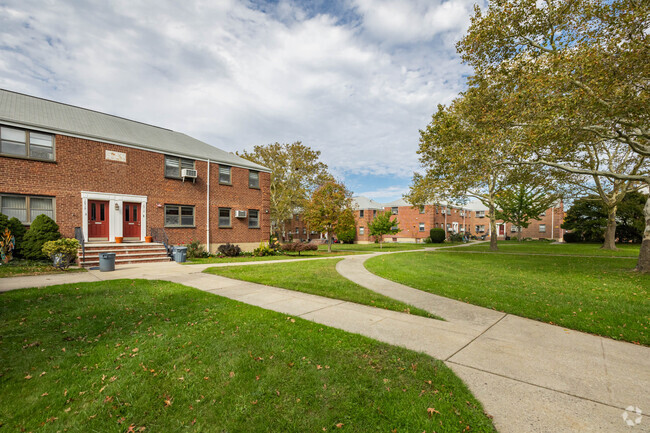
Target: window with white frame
<point>362,230</point>
<point>361,213</point>
<point>422,209</point>
<point>224,217</point>
<point>174,165</point>
<point>224,175</point>
<point>27,144</point>
<point>179,215</point>
<point>394,210</point>
<point>514,228</point>
<point>26,208</point>
<point>421,227</point>
<point>254,179</point>
<point>542,228</point>
<point>253,219</point>
<point>543,214</point>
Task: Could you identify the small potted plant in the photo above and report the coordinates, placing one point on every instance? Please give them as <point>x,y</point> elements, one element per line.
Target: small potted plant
<point>148,239</point>
<point>118,239</point>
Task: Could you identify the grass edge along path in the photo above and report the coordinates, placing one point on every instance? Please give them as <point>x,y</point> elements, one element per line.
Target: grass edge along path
<point>288,256</point>
<point>601,296</point>
<point>319,278</point>
<point>153,356</point>
<point>25,268</point>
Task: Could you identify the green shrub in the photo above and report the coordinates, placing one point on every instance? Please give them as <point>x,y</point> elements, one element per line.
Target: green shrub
<point>456,237</point>
<point>43,229</point>
<point>4,223</point>
<point>62,252</point>
<point>437,235</point>
<point>195,250</point>
<point>572,237</point>
<point>264,250</point>
<point>229,250</point>
<point>427,240</point>
<point>18,230</point>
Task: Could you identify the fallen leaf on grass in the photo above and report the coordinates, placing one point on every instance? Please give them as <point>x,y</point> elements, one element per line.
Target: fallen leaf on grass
<point>339,425</point>
<point>431,411</point>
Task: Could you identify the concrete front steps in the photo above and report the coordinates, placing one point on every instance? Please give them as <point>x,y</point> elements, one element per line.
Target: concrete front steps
<point>127,252</point>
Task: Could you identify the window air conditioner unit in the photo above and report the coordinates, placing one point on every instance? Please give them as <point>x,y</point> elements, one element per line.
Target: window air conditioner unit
<point>189,173</point>
<point>240,214</point>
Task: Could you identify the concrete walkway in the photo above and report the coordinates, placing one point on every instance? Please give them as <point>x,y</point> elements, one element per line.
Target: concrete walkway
<point>531,377</point>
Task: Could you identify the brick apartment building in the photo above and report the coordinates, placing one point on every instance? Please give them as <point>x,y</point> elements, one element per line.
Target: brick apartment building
<point>415,222</point>
<point>115,177</point>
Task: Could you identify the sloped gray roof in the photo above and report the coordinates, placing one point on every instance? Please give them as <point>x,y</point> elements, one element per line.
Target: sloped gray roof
<point>361,202</point>
<point>64,119</point>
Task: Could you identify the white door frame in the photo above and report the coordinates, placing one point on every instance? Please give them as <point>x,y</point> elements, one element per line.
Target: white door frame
<point>115,210</point>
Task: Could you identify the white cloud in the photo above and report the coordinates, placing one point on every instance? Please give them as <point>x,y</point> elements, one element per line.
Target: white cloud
<point>398,21</point>
<point>235,75</point>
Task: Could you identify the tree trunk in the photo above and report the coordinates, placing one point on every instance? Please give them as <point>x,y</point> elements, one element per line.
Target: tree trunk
<point>493,230</point>
<point>519,233</point>
<point>643,265</point>
<point>329,241</point>
<point>610,233</point>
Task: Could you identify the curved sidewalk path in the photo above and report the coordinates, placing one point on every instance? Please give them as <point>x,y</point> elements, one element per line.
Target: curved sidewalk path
<point>530,376</point>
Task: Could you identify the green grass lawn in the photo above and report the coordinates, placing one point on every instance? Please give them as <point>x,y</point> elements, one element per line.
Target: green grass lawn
<point>17,268</point>
<point>318,278</point>
<point>597,295</point>
<point>373,248</point>
<point>152,356</point>
<point>303,255</point>
<point>543,247</point>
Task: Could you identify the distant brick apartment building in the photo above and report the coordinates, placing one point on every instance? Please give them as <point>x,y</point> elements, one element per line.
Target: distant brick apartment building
<point>115,177</point>
<point>415,222</point>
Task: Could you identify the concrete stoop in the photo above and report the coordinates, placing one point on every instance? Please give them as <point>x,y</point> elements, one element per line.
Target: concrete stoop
<point>130,252</point>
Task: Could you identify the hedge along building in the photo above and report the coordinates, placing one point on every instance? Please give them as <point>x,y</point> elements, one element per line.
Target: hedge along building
<point>473,218</point>
<point>115,177</point>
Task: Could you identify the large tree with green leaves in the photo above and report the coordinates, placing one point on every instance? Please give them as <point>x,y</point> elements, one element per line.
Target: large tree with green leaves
<point>522,204</point>
<point>329,210</point>
<point>383,225</point>
<point>464,153</point>
<point>575,75</point>
<point>296,172</point>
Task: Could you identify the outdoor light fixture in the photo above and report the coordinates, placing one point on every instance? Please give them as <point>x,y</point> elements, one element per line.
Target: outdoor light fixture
<point>117,206</point>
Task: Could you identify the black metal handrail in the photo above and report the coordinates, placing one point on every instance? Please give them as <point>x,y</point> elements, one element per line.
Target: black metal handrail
<point>159,235</point>
<point>79,235</point>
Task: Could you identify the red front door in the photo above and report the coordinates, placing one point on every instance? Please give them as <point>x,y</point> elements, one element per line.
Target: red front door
<point>97,220</point>
<point>502,230</point>
<point>131,221</point>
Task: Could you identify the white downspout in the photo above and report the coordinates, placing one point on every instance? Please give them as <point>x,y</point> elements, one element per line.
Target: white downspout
<point>207,228</point>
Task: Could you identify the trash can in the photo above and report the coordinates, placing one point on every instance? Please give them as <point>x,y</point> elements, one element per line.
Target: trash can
<point>106,262</point>
<point>180,254</point>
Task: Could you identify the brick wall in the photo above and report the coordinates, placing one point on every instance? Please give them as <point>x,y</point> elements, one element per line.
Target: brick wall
<point>410,219</point>
<point>81,166</point>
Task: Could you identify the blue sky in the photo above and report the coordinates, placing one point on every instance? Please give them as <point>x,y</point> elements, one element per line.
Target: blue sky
<point>355,79</point>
